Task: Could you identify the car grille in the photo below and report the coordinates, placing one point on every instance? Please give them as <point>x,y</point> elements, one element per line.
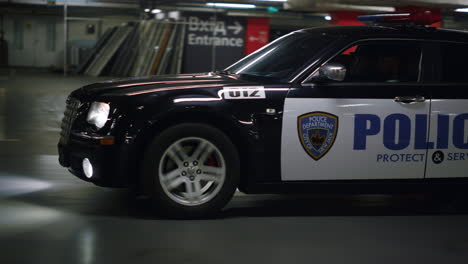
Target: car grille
<point>68,118</point>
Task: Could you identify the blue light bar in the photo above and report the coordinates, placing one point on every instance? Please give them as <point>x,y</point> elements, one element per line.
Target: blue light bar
<point>418,18</point>
<point>385,18</point>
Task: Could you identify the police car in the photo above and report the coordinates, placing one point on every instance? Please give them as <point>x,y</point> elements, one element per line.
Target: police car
<point>374,109</point>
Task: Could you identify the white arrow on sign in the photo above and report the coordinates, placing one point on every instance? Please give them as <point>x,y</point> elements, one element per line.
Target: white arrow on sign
<point>236,28</point>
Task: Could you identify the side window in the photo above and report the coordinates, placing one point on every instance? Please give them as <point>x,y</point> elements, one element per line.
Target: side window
<point>454,58</point>
<point>381,62</point>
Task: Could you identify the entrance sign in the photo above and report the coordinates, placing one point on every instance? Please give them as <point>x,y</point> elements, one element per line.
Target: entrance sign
<point>210,35</point>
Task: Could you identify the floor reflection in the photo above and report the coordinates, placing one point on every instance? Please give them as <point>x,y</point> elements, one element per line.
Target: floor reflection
<point>49,216</point>
<point>16,185</point>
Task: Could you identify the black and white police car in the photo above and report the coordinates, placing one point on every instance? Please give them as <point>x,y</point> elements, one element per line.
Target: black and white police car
<point>373,109</point>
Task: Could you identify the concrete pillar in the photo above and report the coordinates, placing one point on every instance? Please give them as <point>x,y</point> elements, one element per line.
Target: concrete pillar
<point>2,113</point>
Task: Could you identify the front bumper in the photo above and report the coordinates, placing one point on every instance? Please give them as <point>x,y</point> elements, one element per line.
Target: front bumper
<point>111,163</point>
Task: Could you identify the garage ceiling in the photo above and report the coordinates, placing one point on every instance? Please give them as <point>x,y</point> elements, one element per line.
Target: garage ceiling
<point>368,5</point>
<point>306,6</point>
<point>321,5</point>
<point>300,6</point>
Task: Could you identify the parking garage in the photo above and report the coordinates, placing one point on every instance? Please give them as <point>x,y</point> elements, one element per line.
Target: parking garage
<point>51,48</point>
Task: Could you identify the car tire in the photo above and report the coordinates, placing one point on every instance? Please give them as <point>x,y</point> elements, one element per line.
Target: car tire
<point>190,170</point>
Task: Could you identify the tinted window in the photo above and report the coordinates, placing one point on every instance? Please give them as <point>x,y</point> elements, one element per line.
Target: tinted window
<point>281,59</point>
<point>381,62</point>
<point>454,59</point>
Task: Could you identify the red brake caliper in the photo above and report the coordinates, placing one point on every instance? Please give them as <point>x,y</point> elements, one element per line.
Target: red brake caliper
<point>211,161</point>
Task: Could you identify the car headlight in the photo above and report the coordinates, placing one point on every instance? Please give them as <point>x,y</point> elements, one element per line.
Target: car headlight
<point>98,114</point>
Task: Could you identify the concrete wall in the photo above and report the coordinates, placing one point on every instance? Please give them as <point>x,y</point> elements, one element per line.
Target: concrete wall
<point>38,41</point>
<point>34,41</point>
<point>454,20</point>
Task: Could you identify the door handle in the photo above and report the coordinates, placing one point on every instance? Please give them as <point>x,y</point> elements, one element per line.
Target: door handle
<point>410,99</point>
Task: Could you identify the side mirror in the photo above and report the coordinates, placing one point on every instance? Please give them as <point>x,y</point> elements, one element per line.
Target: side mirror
<point>331,71</point>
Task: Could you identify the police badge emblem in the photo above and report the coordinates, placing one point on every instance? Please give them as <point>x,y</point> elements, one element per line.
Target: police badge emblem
<point>317,132</point>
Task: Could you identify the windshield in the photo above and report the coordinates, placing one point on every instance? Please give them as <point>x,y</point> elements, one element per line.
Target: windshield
<point>283,57</point>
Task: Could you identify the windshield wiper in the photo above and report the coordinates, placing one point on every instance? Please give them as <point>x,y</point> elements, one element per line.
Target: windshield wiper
<point>255,77</point>
<point>223,72</point>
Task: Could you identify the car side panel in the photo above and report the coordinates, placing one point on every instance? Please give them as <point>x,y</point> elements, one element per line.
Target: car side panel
<point>256,132</point>
<point>362,147</point>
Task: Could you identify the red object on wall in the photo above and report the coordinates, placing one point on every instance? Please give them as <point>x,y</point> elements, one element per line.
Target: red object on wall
<point>419,9</point>
<point>257,34</point>
<point>346,18</point>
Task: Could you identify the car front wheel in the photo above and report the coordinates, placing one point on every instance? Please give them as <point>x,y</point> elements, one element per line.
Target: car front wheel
<point>191,170</point>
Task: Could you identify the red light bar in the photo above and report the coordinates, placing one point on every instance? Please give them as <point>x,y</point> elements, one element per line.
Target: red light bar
<point>425,18</point>
<point>418,18</point>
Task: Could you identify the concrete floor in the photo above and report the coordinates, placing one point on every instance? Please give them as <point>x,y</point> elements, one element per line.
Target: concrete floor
<point>49,216</point>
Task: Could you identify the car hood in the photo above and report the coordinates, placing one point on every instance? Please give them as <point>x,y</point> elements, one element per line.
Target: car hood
<point>145,85</point>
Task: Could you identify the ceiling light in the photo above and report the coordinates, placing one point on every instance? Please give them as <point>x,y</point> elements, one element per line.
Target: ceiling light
<point>327,18</point>
<point>147,10</point>
<point>272,9</point>
<point>155,11</point>
<point>353,7</point>
<point>464,10</point>
<point>281,1</point>
<point>230,5</point>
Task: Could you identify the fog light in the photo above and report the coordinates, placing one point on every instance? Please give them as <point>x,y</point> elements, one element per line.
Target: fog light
<point>87,168</point>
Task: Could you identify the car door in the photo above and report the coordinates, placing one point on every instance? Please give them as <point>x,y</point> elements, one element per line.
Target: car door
<point>371,125</point>
<point>448,147</point>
